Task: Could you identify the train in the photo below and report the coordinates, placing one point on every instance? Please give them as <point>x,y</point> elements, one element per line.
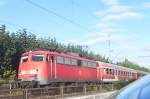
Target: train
<point>47,67</point>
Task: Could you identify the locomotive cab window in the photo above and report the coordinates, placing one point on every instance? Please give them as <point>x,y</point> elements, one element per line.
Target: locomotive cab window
<point>37,57</point>
<point>24,59</point>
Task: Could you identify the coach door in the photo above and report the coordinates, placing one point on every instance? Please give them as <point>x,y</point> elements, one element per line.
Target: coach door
<point>100,72</point>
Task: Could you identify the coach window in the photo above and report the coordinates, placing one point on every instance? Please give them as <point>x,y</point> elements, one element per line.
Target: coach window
<point>128,74</point>
<point>115,72</point>
<point>60,60</point>
<point>67,61</point>
<point>122,73</point>
<point>89,64</point>
<point>133,74</point>
<point>110,71</point>
<point>74,62</point>
<point>107,71</point>
<point>94,64</point>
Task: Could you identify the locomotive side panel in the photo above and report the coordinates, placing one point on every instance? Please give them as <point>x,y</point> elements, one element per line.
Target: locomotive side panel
<point>72,68</point>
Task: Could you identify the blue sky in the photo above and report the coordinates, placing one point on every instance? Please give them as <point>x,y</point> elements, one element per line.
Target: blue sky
<point>126,21</point>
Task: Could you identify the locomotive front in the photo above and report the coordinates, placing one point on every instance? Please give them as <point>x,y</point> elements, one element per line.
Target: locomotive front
<point>33,67</point>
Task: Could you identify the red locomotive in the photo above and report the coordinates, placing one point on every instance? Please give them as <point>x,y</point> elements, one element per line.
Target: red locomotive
<point>47,67</point>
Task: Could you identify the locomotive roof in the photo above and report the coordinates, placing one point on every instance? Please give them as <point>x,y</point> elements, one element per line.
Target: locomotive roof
<point>117,67</point>
<point>70,55</point>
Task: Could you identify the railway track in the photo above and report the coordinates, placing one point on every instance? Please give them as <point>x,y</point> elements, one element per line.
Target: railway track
<point>52,92</point>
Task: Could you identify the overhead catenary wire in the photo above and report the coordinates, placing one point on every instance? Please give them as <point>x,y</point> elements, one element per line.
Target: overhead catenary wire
<point>58,15</point>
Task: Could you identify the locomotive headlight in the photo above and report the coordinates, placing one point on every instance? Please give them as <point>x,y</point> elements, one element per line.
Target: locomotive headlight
<point>34,71</point>
<point>23,72</point>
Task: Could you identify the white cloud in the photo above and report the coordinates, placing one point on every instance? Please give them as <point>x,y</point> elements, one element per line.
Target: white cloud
<point>146,48</point>
<point>110,17</point>
<point>112,10</point>
<point>104,38</point>
<point>146,4</point>
<point>129,47</point>
<point>99,38</point>
<point>110,2</point>
<point>122,16</point>
<point>117,12</point>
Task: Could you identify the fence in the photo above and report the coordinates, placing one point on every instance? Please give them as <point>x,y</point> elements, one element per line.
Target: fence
<point>51,92</point>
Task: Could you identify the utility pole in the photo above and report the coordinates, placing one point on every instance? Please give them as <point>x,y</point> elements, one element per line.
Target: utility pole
<point>109,45</point>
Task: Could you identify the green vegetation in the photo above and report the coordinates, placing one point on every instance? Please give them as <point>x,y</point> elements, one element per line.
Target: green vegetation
<point>129,64</point>
<point>120,84</point>
<point>12,45</point>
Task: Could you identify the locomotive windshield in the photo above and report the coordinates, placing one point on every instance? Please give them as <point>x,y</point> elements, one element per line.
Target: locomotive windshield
<point>24,58</point>
<point>37,57</point>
